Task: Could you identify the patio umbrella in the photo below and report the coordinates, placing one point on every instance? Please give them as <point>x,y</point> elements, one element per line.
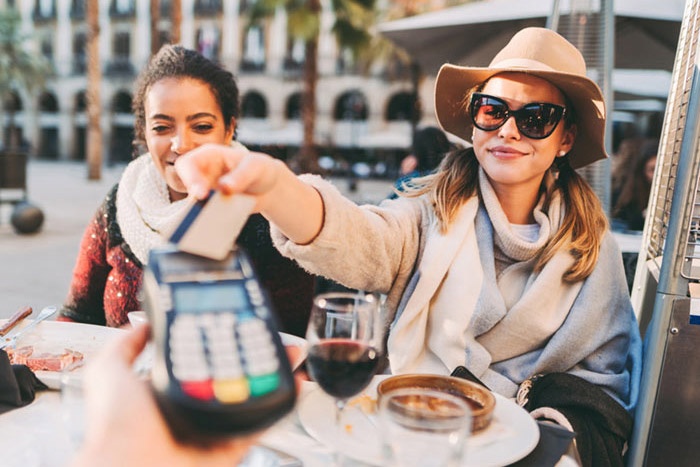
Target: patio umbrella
<point>646,31</point>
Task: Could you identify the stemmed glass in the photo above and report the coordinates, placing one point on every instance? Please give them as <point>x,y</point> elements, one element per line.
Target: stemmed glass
<point>345,336</point>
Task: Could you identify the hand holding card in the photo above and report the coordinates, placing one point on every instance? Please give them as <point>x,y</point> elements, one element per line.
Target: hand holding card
<point>212,225</point>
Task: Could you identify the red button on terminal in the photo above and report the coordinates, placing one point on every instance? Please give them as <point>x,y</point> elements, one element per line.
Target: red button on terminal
<point>202,390</point>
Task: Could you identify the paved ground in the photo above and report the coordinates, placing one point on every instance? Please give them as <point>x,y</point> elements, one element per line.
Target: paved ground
<point>36,269</point>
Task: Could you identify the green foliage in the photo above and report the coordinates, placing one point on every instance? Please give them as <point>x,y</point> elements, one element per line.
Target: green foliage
<point>303,24</point>
<point>353,18</point>
<point>263,9</point>
<point>19,68</point>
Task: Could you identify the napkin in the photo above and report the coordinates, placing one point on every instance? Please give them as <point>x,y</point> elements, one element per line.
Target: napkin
<point>18,384</point>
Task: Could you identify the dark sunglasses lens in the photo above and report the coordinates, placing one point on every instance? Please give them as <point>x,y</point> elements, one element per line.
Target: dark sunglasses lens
<point>538,121</point>
<point>488,113</point>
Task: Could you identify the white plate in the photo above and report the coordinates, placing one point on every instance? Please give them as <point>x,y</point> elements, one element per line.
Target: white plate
<point>56,336</point>
<point>512,434</point>
<point>296,341</point>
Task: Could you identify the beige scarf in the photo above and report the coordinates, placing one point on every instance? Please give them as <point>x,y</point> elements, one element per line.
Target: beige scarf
<point>144,211</point>
<point>435,331</point>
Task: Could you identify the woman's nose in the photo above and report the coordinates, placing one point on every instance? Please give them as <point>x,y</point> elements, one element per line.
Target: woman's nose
<point>509,129</point>
<point>180,144</point>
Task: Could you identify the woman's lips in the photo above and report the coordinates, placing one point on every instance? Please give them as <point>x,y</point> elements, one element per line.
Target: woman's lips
<point>505,152</point>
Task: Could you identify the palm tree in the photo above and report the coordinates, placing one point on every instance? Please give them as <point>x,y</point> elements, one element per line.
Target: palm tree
<point>94,105</point>
<point>155,33</point>
<point>353,20</point>
<point>19,69</point>
<point>176,21</point>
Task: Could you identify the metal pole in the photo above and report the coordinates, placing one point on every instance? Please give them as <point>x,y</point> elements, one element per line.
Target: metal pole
<point>553,18</point>
<point>608,45</point>
<point>671,285</point>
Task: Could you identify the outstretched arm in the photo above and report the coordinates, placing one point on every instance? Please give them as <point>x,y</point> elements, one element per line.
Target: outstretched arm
<point>294,207</point>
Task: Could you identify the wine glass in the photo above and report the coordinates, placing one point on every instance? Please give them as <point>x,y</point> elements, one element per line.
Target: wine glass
<point>345,337</point>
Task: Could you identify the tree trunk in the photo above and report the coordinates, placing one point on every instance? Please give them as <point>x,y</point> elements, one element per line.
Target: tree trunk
<point>155,33</point>
<point>308,154</point>
<point>176,19</point>
<point>13,138</point>
<point>94,78</point>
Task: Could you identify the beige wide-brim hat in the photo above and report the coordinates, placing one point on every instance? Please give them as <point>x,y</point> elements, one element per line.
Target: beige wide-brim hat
<point>540,52</point>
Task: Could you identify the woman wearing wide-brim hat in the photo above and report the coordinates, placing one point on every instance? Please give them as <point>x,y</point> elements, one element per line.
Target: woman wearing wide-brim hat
<point>501,260</point>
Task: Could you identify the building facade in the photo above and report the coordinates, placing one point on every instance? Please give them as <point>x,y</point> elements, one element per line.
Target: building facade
<point>356,111</point>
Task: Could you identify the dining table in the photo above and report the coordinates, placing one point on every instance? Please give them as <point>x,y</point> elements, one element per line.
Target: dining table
<point>43,432</point>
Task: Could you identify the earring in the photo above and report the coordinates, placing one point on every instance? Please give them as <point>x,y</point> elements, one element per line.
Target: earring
<point>562,153</point>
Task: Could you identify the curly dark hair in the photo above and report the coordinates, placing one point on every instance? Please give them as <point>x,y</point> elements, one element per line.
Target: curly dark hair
<point>174,61</point>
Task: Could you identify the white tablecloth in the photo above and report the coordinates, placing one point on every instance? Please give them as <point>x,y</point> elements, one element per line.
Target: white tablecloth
<point>37,436</point>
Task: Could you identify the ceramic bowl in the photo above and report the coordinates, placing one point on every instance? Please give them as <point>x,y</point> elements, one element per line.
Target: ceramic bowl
<point>480,399</point>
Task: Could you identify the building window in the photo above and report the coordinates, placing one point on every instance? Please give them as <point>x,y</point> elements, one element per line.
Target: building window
<point>48,103</point>
<point>207,7</point>
<point>166,8</point>
<point>122,9</point>
<point>13,103</point>
<point>401,107</point>
<point>253,50</point>
<point>80,104</point>
<point>79,53</point>
<point>345,63</point>
<point>292,110</point>
<point>208,41</point>
<point>47,48</point>
<point>294,59</point>
<point>121,52</point>
<point>77,9</point>
<point>44,10</point>
<point>121,103</point>
<point>351,105</point>
<point>254,105</point>
<point>245,5</point>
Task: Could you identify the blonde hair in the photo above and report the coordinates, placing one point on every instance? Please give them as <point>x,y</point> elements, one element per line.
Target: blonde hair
<point>583,226</point>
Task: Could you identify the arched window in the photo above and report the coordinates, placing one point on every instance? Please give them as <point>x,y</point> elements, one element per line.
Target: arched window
<point>254,105</point>
<point>13,103</point>
<point>121,103</point>
<point>351,105</point>
<point>292,110</point>
<point>48,103</point>
<point>80,102</point>
<point>401,106</point>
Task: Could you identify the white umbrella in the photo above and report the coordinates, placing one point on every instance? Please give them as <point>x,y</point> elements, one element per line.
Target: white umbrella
<point>646,31</point>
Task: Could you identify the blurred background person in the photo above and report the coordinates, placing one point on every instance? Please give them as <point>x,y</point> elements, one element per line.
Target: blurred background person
<point>632,178</point>
<point>430,144</point>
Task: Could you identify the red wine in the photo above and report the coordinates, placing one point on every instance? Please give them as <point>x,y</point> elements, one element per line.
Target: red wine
<point>342,367</point>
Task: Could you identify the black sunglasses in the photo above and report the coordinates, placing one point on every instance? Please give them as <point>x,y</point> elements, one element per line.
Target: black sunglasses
<point>534,120</point>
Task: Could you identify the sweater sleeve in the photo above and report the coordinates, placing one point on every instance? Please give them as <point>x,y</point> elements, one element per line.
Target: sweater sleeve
<point>85,301</point>
<point>362,247</point>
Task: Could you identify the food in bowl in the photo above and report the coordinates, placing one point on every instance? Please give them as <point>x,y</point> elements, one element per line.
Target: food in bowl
<point>480,400</point>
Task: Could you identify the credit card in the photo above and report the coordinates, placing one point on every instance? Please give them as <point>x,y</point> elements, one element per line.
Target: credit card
<point>211,226</point>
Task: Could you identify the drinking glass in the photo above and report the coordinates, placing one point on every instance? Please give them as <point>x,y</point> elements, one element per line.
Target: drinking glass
<point>345,337</point>
<point>73,403</point>
<point>423,427</point>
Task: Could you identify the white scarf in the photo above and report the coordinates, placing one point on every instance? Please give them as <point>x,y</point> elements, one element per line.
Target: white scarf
<point>435,331</point>
<point>145,213</point>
